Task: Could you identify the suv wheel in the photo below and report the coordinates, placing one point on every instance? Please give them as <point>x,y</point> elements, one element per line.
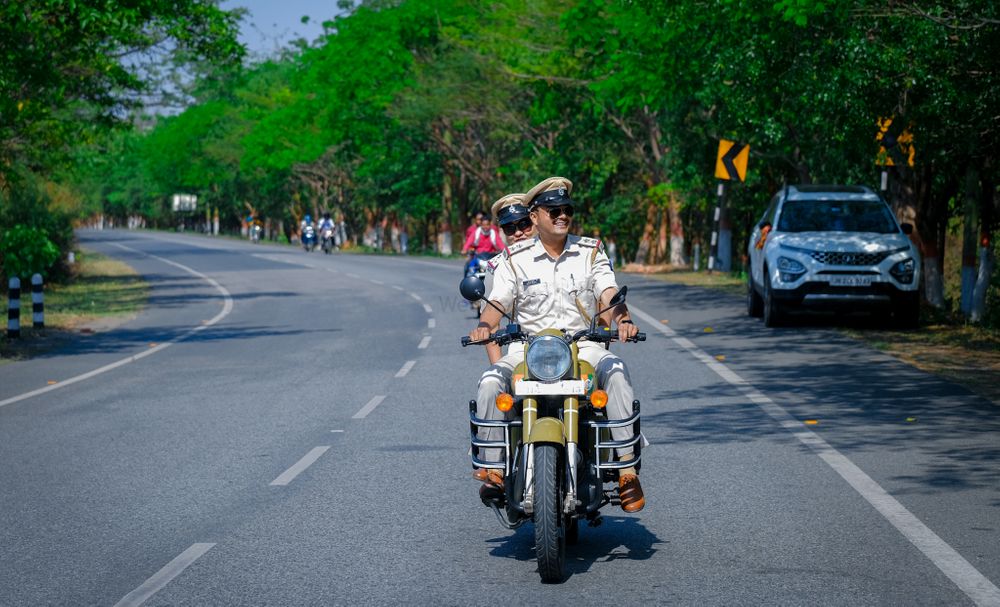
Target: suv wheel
<point>755,305</point>
<point>772,312</point>
<point>906,314</point>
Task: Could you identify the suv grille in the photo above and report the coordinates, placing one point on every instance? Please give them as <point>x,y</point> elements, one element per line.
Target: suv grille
<point>849,259</point>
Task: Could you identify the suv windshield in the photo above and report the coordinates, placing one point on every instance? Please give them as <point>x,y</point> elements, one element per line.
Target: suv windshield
<point>836,216</point>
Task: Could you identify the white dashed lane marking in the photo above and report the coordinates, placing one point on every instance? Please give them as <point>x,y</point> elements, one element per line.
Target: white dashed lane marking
<point>163,577</point>
<point>307,460</point>
<point>424,342</point>
<point>406,368</point>
<point>369,407</point>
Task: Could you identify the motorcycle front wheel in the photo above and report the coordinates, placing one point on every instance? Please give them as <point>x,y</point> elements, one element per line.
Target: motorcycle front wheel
<point>550,535</point>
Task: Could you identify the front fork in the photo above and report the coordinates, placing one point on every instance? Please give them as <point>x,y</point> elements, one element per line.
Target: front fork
<point>571,426</point>
<point>571,414</point>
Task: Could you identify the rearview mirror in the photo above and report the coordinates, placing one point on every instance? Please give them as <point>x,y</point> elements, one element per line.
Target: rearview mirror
<point>619,297</point>
<point>472,288</point>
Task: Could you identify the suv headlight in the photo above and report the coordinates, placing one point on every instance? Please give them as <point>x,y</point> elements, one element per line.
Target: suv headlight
<point>903,271</point>
<point>790,269</point>
<point>548,358</point>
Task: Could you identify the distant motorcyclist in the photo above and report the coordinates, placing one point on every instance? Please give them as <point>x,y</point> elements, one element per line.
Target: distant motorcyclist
<point>484,242</point>
<point>556,280</point>
<point>325,229</point>
<point>307,233</point>
<point>307,221</point>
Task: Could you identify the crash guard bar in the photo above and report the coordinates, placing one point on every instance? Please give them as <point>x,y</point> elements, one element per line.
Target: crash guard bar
<point>602,446</point>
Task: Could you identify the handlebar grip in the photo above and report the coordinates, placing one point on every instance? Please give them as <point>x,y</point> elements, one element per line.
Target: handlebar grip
<point>465,340</point>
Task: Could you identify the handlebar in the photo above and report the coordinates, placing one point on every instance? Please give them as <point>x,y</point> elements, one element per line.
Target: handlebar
<point>503,338</point>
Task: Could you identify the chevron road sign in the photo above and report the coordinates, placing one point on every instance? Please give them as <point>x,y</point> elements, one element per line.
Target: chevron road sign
<point>731,161</point>
<point>895,143</point>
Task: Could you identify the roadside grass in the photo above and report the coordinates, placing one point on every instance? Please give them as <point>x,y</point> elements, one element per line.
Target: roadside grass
<point>943,345</point>
<point>102,293</point>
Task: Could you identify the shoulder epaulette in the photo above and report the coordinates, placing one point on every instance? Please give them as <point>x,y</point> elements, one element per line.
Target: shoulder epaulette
<point>517,247</point>
<point>494,261</point>
<point>584,241</point>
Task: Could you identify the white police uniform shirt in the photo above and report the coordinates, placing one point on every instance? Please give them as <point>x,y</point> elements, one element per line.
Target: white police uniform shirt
<point>561,293</point>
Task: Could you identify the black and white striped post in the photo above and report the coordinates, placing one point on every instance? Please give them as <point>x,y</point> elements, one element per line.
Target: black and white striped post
<point>714,250</point>
<point>37,303</point>
<point>14,308</point>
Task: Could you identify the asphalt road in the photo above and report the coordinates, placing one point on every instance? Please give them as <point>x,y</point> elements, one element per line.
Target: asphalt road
<point>283,428</point>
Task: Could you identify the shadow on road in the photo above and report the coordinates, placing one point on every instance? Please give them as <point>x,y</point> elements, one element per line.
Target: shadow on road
<point>618,537</point>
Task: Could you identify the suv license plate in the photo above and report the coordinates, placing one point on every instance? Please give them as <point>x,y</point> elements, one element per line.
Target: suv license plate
<point>850,281</point>
<point>571,387</point>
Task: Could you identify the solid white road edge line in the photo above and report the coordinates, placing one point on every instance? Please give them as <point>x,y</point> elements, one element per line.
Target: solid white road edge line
<point>227,307</point>
<point>369,407</point>
<point>307,460</point>
<point>960,571</point>
<point>424,342</point>
<point>406,368</point>
<point>163,577</point>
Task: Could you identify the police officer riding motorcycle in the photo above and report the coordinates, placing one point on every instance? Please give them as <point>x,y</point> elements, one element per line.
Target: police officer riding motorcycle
<point>560,417</point>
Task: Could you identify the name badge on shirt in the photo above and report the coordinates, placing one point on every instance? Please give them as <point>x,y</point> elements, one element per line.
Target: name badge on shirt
<point>527,283</point>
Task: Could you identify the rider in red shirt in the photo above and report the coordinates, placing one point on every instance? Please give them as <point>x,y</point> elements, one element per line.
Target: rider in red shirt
<point>483,243</point>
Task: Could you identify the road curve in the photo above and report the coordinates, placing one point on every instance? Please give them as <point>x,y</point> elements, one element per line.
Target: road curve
<point>309,447</point>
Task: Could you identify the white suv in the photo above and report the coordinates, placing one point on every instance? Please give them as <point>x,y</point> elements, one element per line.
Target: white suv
<point>832,246</point>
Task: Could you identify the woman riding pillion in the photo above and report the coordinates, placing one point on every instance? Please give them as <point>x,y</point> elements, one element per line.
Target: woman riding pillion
<point>560,281</point>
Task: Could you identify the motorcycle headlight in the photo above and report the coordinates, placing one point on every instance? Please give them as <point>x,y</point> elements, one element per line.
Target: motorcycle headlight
<point>548,358</point>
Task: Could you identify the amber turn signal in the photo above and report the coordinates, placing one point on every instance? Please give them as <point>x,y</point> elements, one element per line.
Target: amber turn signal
<point>599,398</point>
<point>505,402</point>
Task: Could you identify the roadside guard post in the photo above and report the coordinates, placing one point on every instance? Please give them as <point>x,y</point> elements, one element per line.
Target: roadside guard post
<point>730,164</point>
<point>37,303</point>
<point>14,308</point>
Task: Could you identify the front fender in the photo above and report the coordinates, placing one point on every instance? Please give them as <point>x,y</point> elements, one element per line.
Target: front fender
<point>547,430</point>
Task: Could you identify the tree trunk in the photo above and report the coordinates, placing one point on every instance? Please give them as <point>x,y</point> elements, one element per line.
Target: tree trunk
<point>986,262</point>
<point>645,243</point>
<point>987,219</point>
<point>447,204</point>
<point>676,231</point>
<point>969,241</point>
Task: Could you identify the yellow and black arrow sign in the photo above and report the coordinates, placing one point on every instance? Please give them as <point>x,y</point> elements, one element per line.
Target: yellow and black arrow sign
<point>731,161</point>
<point>895,143</point>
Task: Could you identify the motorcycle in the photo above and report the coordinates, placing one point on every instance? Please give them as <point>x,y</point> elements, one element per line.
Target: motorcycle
<point>557,453</point>
<point>308,238</point>
<point>326,238</point>
<point>255,232</point>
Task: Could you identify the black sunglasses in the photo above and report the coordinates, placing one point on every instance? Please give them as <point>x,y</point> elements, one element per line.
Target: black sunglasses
<point>556,212</point>
<point>521,225</point>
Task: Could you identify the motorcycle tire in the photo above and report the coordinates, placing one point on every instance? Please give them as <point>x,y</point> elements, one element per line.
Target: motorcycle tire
<point>550,535</point>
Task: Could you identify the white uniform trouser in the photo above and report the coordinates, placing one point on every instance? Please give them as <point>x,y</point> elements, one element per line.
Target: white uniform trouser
<point>611,376</point>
